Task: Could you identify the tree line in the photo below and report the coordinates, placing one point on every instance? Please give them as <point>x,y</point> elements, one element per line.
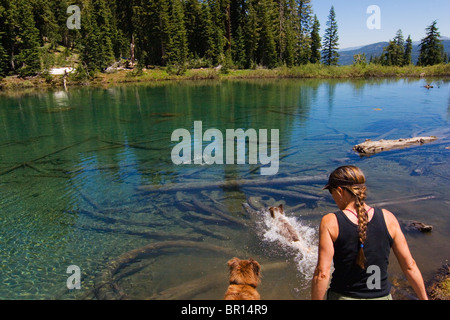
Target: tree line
<point>178,34</point>
<point>399,52</point>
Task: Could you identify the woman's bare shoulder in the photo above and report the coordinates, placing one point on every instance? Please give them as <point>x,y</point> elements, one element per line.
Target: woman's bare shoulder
<point>330,224</point>
<point>328,219</point>
<point>391,222</point>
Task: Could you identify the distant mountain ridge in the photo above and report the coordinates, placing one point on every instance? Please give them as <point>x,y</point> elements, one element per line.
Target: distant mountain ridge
<point>376,49</point>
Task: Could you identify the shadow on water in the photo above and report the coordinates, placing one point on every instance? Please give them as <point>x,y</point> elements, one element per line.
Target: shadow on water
<point>87,179</point>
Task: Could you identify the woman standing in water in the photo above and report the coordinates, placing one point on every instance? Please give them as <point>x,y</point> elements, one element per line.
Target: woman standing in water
<point>358,240</point>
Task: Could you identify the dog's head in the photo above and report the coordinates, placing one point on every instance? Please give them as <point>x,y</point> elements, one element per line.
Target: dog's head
<point>244,272</point>
<point>276,211</point>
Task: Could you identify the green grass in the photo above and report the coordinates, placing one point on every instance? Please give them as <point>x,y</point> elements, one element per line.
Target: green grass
<point>309,71</point>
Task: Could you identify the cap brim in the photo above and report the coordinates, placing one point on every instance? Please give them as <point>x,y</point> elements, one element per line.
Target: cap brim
<point>326,187</point>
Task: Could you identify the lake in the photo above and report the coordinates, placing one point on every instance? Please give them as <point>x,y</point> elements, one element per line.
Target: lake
<point>87,180</point>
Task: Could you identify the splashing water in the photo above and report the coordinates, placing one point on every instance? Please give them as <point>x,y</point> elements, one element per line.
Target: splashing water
<point>305,250</point>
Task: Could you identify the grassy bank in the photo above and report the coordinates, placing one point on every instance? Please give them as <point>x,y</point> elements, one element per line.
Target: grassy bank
<point>310,71</point>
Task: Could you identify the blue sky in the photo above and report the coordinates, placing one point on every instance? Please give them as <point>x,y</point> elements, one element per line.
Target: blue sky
<point>412,16</point>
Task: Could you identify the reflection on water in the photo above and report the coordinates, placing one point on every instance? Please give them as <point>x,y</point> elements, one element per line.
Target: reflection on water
<point>86,178</point>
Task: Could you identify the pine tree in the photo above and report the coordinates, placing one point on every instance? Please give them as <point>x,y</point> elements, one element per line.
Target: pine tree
<point>176,49</point>
<point>3,55</point>
<point>394,53</point>
<point>287,31</point>
<point>407,60</point>
<point>96,43</point>
<point>207,43</point>
<point>304,31</point>
<point>431,48</point>
<point>218,27</point>
<point>3,60</point>
<point>25,39</point>
<point>252,32</point>
<point>315,41</point>
<point>330,56</point>
<point>193,21</point>
<point>46,21</point>
<point>267,47</point>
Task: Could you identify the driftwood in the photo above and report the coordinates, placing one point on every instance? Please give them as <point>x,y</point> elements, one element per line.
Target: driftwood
<point>232,184</point>
<point>370,147</point>
<point>106,287</point>
<point>417,225</point>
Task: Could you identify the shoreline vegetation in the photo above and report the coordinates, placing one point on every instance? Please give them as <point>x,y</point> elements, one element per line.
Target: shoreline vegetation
<point>159,74</point>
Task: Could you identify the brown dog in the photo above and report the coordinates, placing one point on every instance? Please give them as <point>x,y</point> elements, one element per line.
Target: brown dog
<point>285,229</point>
<point>245,276</point>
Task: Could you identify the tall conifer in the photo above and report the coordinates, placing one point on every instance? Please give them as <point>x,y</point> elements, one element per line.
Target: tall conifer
<point>330,56</point>
<point>431,48</point>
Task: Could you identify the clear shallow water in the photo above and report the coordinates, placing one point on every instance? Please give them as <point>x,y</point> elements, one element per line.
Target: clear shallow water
<point>72,165</point>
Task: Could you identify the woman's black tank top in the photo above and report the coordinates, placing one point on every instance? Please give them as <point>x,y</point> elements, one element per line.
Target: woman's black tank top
<point>348,278</point>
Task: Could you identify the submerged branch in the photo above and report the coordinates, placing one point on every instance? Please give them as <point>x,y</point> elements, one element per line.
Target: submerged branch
<point>232,184</point>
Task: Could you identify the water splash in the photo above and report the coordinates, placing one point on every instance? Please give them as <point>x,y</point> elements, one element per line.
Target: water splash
<point>304,251</point>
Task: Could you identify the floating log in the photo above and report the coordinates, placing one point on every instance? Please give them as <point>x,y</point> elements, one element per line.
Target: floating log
<point>417,225</point>
<point>370,147</point>
<point>232,184</point>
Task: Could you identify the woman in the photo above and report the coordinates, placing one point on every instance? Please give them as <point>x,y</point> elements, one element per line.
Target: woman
<point>358,239</point>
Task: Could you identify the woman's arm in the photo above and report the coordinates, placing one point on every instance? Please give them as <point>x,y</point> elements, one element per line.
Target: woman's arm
<point>321,276</point>
<point>404,257</point>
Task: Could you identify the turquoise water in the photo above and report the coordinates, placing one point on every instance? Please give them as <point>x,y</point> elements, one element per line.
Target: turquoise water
<point>73,166</point>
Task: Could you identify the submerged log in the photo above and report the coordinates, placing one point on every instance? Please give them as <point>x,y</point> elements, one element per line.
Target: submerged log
<point>284,193</point>
<point>402,200</point>
<point>370,147</point>
<point>232,184</point>
<point>188,290</point>
<point>107,286</point>
<point>216,212</point>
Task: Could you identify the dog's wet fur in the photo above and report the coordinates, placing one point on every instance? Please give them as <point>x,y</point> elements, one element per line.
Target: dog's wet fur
<point>245,275</point>
<point>284,227</point>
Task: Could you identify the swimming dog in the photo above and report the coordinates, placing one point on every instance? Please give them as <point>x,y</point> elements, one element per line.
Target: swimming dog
<point>245,276</point>
<point>284,228</point>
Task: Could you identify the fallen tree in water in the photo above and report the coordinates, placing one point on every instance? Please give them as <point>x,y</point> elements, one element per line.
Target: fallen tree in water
<point>232,184</point>
<point>370,147</point>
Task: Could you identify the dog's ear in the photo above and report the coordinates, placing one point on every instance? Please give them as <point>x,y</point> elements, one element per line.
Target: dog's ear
<point>232,263</point>
<point>271,212</point>
<point>281,207</point>
<point>256,266</point>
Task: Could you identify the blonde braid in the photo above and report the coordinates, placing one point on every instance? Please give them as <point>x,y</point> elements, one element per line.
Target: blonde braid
<point>358,189</point>
<point>363,220</point>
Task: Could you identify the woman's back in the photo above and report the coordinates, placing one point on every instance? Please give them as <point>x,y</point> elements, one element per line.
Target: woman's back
<point>348,278</point>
